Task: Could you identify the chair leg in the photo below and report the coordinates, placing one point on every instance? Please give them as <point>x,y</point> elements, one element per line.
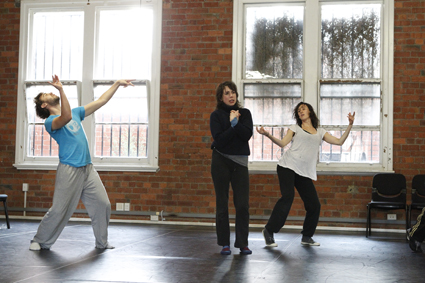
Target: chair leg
<point>407,217</point>
<point>367,221</point>
<point>6,214</point>
<point>410,217</point>
<point>370,221</point>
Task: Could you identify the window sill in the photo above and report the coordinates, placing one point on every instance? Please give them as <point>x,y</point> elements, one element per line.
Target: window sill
<point>269,167</point>
<point>99,167</point>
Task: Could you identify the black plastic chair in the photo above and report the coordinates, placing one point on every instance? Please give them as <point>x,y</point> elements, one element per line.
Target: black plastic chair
<point>418,195</point>
<point>388,193</point>
<point>3,198</point>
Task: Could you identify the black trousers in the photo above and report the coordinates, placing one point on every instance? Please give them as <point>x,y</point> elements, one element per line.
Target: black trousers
<point>305,187</point>
<point>418,230</point>
<point>225,172</point>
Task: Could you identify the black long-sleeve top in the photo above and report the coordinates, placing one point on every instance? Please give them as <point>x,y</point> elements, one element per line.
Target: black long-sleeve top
<point>228,139</point>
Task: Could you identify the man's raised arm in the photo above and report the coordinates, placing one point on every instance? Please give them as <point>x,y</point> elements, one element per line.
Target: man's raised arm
<point>65,113</point>
<point>93,106</point>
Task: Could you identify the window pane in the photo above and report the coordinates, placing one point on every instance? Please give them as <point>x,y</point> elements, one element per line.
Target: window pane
<point>360,146</point>
<point>57,45</point>
<point>272,104</point>
<point>32,90</point>
<point>337,100</point>
<point>40,143</point>
<point>263,149</point>
<point>122,123</point>
<point>351,41</point>
<point>109,142</point>
<point>274,42</point>
<point>124,44</point>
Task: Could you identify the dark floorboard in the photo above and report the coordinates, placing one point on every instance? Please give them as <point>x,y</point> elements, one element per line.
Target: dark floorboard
<point>185,254</point>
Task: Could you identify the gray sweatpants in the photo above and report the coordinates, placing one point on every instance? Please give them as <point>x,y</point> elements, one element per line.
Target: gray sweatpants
<point>71,184</point>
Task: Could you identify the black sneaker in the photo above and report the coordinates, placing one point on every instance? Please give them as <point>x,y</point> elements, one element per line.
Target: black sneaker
<point>308,241</point>
<point>268,238</point>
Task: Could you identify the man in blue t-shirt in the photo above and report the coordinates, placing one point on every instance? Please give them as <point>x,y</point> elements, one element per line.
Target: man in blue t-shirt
<point>76,177</point>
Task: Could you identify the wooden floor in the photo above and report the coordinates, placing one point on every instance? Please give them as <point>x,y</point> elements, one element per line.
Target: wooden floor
<point>184,254</point>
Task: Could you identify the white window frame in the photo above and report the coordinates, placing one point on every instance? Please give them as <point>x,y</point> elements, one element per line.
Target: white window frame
<point>310,91</point>
<point>149,164</point>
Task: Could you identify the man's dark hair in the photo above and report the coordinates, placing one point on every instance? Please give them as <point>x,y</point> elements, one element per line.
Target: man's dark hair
<point>41,112</point>
<point>313,116</point>
<point>220,91</point>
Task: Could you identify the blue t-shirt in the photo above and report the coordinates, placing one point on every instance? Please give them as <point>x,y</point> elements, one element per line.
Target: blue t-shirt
<point>71,138</point>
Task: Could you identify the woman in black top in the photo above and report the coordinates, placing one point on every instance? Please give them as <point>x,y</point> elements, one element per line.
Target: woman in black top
<point>231,128</point>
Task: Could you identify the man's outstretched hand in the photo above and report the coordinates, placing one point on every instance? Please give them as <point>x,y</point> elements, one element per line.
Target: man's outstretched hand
<point>56,82</point>
<point>125,83</point>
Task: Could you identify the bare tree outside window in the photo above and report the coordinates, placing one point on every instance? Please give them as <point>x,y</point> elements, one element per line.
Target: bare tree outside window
<point>274,46</point>
<point>351,41</point>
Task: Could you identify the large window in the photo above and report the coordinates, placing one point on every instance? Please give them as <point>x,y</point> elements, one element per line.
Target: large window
<point>334,55</point>
<point>90,46</point>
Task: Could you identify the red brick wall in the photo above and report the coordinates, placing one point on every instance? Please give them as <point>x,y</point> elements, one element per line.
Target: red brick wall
<point>9,54</point>
<point>196,56</point>
<point>409,85</point>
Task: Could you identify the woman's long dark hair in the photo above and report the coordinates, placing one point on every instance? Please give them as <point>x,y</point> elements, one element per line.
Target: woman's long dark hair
<point>313,116</point>
<point>219,94</point>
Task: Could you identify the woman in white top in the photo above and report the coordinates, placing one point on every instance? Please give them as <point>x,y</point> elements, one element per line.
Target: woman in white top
<point>297,168</point>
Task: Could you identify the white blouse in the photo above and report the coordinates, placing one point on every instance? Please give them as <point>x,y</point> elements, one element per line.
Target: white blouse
<point>302,156</point>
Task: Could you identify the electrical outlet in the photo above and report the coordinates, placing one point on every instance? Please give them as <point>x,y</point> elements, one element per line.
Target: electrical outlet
<point>25,187</point>
<point>154,217</point>
<point>119,206</point>
<point>127,206</point>
<point>391,216</point>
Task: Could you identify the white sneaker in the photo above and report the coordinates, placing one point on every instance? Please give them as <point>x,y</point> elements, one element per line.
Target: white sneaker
<point>34,246</point>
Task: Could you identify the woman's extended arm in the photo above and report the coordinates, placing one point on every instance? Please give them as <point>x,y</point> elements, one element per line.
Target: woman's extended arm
<point>283,142</point>
<point>340,141</point>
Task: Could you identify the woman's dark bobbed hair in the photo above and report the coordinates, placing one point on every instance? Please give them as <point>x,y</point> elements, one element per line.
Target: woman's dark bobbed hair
<point>220,91</point>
